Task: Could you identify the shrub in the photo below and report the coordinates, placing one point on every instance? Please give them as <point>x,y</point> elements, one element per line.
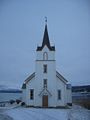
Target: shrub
<point>18,101</point>
<point>23,103</point>
<point>12,101</point>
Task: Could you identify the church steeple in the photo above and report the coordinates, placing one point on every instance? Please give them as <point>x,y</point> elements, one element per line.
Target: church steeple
<point>46,40</point>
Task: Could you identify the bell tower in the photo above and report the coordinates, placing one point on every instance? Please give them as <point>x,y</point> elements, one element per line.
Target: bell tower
<point>45,70</point>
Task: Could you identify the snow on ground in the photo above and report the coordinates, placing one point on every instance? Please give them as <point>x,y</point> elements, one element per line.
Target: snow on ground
<point>5,117</point>
<point>79,113</point>
<point>21,113</point>
<point>38,114</point>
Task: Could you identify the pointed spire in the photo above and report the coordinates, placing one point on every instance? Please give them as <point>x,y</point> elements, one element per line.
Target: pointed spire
<point>46,37</point>
<point>46,40</point>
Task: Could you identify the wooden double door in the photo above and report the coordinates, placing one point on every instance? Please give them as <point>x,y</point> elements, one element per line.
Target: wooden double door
<point>45,100</point>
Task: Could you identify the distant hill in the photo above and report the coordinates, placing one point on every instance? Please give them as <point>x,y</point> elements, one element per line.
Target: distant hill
<point>7,94</point>
<point>84,88</point>
<point>5,89</point>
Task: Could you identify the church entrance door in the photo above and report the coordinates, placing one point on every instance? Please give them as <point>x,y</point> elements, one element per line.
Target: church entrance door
<point>45,101</point>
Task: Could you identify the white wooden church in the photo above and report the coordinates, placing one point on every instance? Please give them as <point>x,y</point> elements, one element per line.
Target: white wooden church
<point>46,87</point>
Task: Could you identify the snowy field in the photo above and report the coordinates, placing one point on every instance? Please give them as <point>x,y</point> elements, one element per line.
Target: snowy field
<point>20,113</point>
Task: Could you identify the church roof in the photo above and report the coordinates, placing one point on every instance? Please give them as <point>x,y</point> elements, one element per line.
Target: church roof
<point>61,77</point>
<point>24,86</point>
<point>30,77</point>
<point>33,75</point>
<point>46,41</point>
<point>27,80</point>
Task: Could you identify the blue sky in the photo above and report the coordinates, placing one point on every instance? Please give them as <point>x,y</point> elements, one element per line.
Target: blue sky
<point>21,30</point>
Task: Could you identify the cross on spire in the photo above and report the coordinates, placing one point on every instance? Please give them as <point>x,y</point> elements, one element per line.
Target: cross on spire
<point>45,20</point>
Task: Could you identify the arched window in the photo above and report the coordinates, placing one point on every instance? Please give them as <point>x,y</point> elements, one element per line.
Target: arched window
<point>45,56</point>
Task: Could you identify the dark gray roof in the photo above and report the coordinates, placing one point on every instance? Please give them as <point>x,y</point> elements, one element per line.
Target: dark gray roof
<point>24,86</point>
<point>30,77</point>
<point>33,75</point>
<point>61,77</point>
<point>27,80</point>
<point>46,41</point>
